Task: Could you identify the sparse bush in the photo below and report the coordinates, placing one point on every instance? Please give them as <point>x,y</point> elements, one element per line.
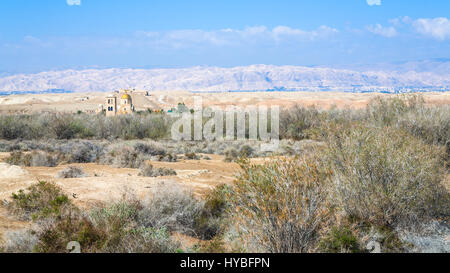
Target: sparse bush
<point>231,155</point>
<point>295,121</point>
<point>123,234</point>
<point>246,151</point>
<point>171,207</point>
<point>43,159</point>
<point>124,156</point>
<point>210,223</point>
<point>56,233</point>
<point>81,152</point>
<point>64,126</point>
<point>152,149</point>
<point>191,156</point>
<point>40,200</point>
<point>19,159</point>
<point>281,206</point>
<point>33,159</point>
<point>387,177</point>
<point>111,229</point>
<point>71,172</point>
<point>148,170</point>
<point>13,127</point>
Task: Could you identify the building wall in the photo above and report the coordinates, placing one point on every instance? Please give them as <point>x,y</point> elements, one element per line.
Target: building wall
<point>115,106</point>
<point>111,106</point>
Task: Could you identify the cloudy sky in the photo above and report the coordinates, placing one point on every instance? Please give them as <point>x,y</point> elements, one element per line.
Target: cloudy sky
<point>44,35</point>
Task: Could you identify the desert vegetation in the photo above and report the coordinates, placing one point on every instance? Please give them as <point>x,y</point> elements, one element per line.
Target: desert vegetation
<point>83,126</point>
<point>71,172</point>
<point>126,226</point>
<point>340,181</point>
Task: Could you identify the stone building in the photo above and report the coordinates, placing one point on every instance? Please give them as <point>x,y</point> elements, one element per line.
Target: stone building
<point>118,104</point>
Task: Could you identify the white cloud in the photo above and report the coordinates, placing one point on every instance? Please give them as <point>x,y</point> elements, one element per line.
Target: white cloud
<point>226,37</point>
<point>438,28</point>
<point>74,2</point>
<point>374,2</point>
<point>378,29</point>
<point>31,40</point>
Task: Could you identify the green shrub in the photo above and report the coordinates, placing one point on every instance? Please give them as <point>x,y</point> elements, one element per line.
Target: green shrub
<point>55,235</point>
<point>40,200</point>
<point>340,240</point>
<point>66,127</point>
<point>211,222</point>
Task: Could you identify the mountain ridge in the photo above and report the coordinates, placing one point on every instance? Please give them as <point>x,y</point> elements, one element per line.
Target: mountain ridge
<point>241,78</point>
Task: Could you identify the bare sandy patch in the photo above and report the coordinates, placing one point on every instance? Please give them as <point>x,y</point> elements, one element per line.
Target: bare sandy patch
<point>9,171</point>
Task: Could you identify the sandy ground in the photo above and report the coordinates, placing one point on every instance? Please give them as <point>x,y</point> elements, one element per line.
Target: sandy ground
<point>89,102</point>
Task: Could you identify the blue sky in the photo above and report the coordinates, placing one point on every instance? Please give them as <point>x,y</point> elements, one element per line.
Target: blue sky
<point>39,35</point>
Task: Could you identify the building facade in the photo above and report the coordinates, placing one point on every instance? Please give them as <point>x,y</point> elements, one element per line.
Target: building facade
<point>118,104</point>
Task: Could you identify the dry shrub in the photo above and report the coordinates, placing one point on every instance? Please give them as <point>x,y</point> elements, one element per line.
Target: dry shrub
<point>231,155</point>
<point>281,206</point>
<point>33,159</point>
<point>151,148</point>
<point>114,228</point>
<point>123,233</point>
<point>295,121</point>
<point>124,156</point>
<point>81,152</point>
<point>387,177</point>
<point>171,207</point>
<point>148,170</point>
<point>22,241</point>
<point>191,156</point>
<point>71,172</point>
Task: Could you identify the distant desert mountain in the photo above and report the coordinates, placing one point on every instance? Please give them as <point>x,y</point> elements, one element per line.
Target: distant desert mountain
<point>439,66</point>
<point>406,77</point>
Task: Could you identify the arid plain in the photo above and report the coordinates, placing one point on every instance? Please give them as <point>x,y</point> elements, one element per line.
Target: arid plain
<point>73,102</point>
<point>105,183</point>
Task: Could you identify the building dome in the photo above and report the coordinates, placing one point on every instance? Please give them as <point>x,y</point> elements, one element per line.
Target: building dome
<point>126,97</point>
